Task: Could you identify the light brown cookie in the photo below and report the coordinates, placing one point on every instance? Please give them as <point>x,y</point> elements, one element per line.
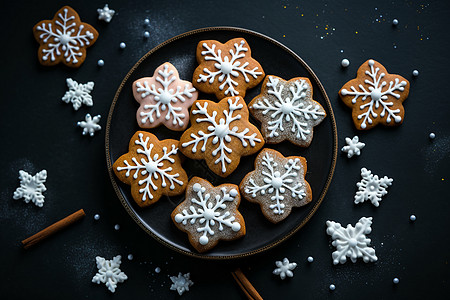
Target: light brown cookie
<point>226,69</point>
<point>287,111</point>
<point>152,168</point>
<point>277,184</point>
<point>375,96</point>
<point>209,214</point>
<point>220,133</point>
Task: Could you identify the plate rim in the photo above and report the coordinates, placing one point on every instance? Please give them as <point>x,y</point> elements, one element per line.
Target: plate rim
<point>272,244</point>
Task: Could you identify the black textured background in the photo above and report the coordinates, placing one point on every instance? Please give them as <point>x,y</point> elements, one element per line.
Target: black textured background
<point>38,132</point>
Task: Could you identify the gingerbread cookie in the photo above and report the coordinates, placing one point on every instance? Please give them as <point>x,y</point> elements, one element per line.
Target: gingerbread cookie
<point>64,38</point>
<point>209,214</point>
<point>375,96</point>
<point>226,69</point>
<point>152,168</point>
<point>287,111</point>
<point>164,99</point>
<point>277,184</point>
<point>220,133</point>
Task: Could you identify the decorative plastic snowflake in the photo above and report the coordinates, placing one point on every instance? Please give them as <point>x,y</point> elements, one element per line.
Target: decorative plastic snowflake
<point>181,283</point>
<point>31,187</point>
<point>217,126</point>
<point>164,98</point>
<point>64,39</point>
<point>105,13</point>
<point>371,187</point>
<point>351,241</point>
<point>284,268</point>
<point>287,111</point>
<point>78,93</point>
<point>385,92</point>
<point>353,147</point>
<point>109,272</point>
<point>218,69</point>
<point>90,125</point>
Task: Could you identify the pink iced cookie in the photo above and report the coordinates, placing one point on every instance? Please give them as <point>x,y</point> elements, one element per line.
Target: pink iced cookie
<point>164,98</point>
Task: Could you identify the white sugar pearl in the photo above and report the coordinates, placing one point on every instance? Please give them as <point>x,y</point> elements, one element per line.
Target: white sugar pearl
<point>415,73</point>
<point>147,34</point>
<point>395,22</point>
<point>96,217</point>
<point>146,21</point>
<point>412,217</point>
<point>345,63</point>
<point>310,259</point>
<point>157,270</point>
<point>432,135</point>
<point>396,280</point>
<point>117,227</point>
<point>122,45</point>
<point>130,256</point>
<point>332,287</point>
<point>100,63</point>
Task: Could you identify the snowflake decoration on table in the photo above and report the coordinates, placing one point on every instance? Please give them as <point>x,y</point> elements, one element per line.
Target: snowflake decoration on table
<point>105,13</point>
<point>277,184</point>
<point>90,125</point>
<point>218,126</point>
<point>284,268</point>
<point>152,168</point>
<point>371,187</point>
<point>353,146</point>
<point>78,93</point>
<point>181,283</point>
<point>164,98</point>
<point>384,93</point>
<point>226,74</point>
<point>109,272</point>
<point>351,241</point>
<point>31,187</point>
<point>287,111</point>
<point>64,38</point>
<point>209,214</point>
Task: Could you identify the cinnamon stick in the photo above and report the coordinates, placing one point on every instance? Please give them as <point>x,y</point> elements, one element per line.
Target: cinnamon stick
<point>245,285</point>
<point>61,224</point>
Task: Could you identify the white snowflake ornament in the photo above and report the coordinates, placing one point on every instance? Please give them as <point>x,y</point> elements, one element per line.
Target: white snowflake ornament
<point>109,272</point>
<point>371,187</point>
<point>181,283</point>
<point>90,125</point>
<point>105,13</point>
<point>353,146</point>
<point>78,93</point>
<point>31,187</point>
<point>351,241</point>
<point>284,268</point>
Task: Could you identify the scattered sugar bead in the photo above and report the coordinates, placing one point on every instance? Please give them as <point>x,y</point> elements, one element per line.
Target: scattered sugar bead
<point>122,45</point>
<point>415,73</point>
<point>146,34</point>
<point>396,280</point>
<point>412,218</point>
<point>100,63</point>
<point>395,22</point>
<point>432,135</point>
<point>332,287</point>
<point>345,63</point>
<point>96,217</point>
<point>130,256</point>
<point>310,259</point>
<point>157,270</point>
<point>117,227</point>
<point>146,21</point>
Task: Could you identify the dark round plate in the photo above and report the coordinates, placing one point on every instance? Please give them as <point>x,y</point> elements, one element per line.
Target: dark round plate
<point>276,59</point>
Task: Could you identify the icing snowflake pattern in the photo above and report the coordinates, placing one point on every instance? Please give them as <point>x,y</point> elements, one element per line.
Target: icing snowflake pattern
<point>353,146</point>
<point>287,111</point>
<point>109,272</point>
<point>376,99</point>
<point>351,241</point>
<point>78,93</point>
<point>64,39</point>
<point>284,268</point>
<point>31,187</point>
<point>164,98</point>
<point>181,283</point>
<point>90,124</point>
<point>105,13</point>
<point>371,187</point>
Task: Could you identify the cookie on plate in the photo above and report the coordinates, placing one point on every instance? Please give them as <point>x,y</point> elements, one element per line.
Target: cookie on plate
<point>287,111</point>
<point>209,214</point>
<point>220,133</point>
<point>226,69</point>
<point>152,168</point>
<point>277,184</point>
<point>164,99</point>
<point>375,96</point>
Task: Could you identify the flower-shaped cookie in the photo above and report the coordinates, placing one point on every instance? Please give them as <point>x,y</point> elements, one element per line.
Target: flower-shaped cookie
<point>64,38</point>
<point>226,69</point>
<point>220,133</point>
<point>164,98</point>
<point>375,96</point>
<point>277,184</point>
<point>287,111</point>
<point>152,168</point>
<point>209,214</point>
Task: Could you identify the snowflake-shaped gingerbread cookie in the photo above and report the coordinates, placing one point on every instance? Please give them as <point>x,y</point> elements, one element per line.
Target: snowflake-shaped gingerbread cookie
<point>375,96</point>
<point>277,184</point>
<point>31,187</point>
<point>78,93</point>
<point>353,146</point>
<point>109,272</point>
<point>164,99</point>
<point>226,69</point>
<point>287,111</point>
<point>371,187</point>
<point>152,168</point>
<point>351,241</point>
<point>209,214</point>
<point>64,38</point>
<point>284,268</point>
<point>181,283</point>
<point>220,133</point>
